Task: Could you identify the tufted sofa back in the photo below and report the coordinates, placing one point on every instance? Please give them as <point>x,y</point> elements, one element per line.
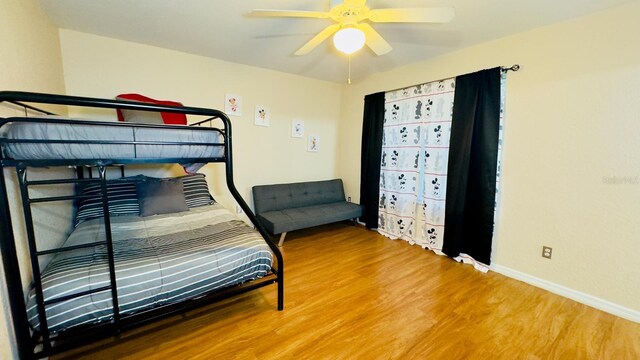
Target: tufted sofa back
<point>287,196</point>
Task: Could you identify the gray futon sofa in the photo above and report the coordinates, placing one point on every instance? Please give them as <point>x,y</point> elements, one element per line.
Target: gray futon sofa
<point>286,207</point>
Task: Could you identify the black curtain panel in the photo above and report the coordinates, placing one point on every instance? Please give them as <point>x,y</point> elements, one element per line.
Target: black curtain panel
<point>473,156</point>
<point>372,127</point>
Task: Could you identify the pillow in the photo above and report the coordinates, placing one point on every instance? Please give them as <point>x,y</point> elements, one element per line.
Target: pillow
<point>121,195</point>
<point>196,190</point>
<point>150,117</point>
<point>161,197</point>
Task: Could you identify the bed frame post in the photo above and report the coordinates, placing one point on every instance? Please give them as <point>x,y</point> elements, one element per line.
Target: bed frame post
<point>12,275</point>
<point>247,209</point>
<point>33,252</point>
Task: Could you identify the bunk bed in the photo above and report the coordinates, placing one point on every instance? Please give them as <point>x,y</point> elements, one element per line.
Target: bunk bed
<point>120,268</point>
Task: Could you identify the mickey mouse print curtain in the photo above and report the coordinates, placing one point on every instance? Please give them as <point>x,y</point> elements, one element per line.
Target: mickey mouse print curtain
<point>413,173</point>
<point>438,156</point>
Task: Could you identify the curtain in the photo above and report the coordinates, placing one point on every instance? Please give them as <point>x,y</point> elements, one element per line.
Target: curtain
<point>471,189</point>
<point>370,157</point>
<point>413,177</point>
<point>439,165</point>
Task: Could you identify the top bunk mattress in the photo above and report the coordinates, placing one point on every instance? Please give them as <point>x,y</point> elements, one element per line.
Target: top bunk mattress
<point>70,130</point>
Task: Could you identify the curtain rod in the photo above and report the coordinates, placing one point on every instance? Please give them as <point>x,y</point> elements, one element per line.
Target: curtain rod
<point>514,68</point>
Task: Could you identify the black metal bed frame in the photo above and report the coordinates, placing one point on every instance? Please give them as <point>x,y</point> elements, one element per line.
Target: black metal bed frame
<point>27,340</point>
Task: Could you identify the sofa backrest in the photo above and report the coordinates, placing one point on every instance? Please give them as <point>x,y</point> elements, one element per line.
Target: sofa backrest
<point>295,195</point>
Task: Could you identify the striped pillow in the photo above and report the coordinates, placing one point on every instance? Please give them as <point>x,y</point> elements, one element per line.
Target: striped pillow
<point>123,200</point>
<point>196,191</point>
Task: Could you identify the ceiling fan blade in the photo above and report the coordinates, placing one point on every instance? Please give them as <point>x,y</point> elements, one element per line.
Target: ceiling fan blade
<point>354,2</point>
<point>417,15</point>
<point>322,36</point>
<point>373,40</point>
<point>289,13</point>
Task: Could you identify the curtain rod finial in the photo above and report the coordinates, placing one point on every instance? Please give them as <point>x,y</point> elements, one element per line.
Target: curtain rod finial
<point>515,67</point>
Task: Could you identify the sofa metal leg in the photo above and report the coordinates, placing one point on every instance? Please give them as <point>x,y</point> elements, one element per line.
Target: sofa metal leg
<point>282,239</point>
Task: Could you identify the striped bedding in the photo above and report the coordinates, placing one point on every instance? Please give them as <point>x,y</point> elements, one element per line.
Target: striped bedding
<point>123,197</point>
<point>159,259</point>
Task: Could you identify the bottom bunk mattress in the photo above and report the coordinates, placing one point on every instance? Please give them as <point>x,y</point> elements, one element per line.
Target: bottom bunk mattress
<point>159,260</point>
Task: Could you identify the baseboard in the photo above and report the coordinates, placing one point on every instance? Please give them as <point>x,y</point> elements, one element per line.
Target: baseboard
<point>575,295</point>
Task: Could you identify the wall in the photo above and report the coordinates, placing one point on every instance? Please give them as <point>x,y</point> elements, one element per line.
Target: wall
<point>104,67</point>
<point>572,127</point>
<point>572,116</point>
<point>30,60</point>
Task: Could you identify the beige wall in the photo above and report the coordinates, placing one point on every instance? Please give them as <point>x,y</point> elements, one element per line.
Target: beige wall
<point>30,60</point>
<point>572,118</point>
<point>104,67</point>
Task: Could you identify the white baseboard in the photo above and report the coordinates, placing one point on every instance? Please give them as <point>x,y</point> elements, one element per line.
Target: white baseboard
<point>575,295</point>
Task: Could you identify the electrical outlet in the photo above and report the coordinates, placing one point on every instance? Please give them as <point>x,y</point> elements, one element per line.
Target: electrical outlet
<point>546,252</point>
<point>238,209</point>
<point>349,199</point>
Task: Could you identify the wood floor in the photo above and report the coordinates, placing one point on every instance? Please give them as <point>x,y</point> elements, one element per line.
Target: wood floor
<point>353,294</point>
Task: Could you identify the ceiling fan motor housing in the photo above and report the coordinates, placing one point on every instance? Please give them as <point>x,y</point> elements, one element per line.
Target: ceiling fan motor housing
<point>348,14</point>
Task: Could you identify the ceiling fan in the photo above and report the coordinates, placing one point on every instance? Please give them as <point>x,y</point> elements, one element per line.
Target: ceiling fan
<point>351,31</point>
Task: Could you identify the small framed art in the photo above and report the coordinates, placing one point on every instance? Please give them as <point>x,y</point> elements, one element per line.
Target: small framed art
<point>313,143</point>
<point>297,128</point>
<point>233,104</point>
<point>262,116</point>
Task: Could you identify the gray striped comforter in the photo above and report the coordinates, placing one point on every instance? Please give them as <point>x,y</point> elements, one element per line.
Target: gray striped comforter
<point>160,259</point>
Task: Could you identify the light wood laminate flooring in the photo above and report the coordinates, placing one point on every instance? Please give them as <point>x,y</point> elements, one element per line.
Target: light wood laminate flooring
<point>353,294</point>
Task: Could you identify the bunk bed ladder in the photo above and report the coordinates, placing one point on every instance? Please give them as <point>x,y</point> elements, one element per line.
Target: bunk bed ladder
<point>35,253</point>
<point>102,170</point>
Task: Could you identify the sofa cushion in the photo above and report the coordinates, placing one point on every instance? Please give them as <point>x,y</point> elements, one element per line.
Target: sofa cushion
<point>268,198</point>
<point>279,221</point>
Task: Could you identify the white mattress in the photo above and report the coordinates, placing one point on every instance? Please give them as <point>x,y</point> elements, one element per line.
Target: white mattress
<point>70,131</point>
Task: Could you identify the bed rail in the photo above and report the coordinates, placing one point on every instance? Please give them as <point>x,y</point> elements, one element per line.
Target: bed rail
<point>25,341</point>
<point>54,99</point>
<point>31,108</point>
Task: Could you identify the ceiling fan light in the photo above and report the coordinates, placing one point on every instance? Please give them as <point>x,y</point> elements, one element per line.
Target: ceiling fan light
<point>349,40</point>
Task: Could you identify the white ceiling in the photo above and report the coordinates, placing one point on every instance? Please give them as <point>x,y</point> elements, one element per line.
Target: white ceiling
<point>222,29</point>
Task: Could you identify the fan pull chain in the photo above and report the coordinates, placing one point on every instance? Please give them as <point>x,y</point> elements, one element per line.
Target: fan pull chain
<point>349,79</point>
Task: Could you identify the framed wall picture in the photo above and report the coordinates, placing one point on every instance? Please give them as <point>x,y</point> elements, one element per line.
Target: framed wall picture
<point>313,143</point>
<point>297,128</point>
<point>233,104</point>
<point>262,116</point>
